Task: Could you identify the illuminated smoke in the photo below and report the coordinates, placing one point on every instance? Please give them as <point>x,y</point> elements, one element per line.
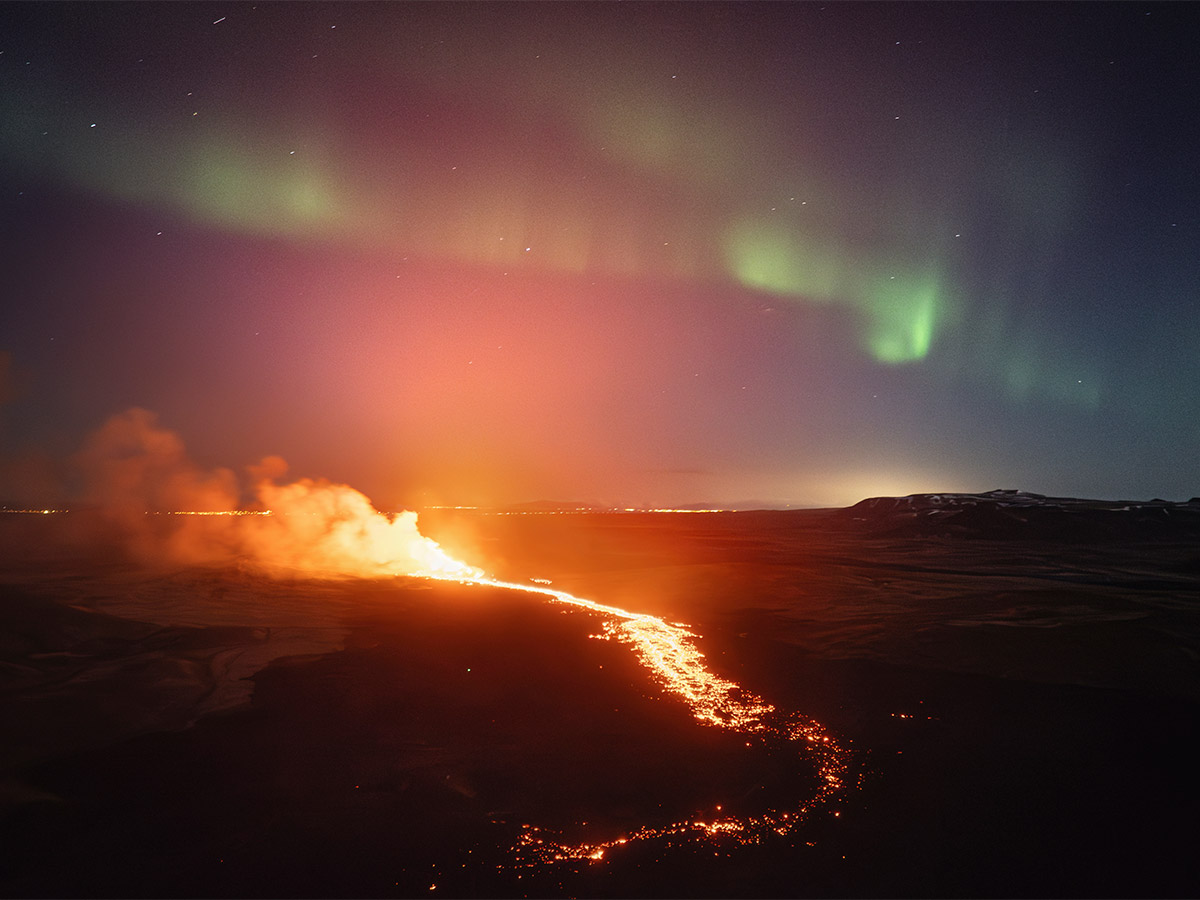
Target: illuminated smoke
<point>166,509</point>
<point>131,465</point>
<point>321,529</point>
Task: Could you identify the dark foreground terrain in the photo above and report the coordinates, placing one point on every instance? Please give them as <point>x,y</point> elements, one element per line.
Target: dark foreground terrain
<point>1017,679</point>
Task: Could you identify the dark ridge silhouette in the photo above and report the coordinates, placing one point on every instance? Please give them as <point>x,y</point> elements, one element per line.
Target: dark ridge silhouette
<point>1021,515</point>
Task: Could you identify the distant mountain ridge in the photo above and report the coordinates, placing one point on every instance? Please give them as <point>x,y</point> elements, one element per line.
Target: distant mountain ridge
<point>1001,514</point>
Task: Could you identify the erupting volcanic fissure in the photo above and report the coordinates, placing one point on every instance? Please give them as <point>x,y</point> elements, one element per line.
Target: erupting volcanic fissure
<point>319,529</point>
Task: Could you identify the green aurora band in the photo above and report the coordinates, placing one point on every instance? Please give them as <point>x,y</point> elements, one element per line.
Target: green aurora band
<point>900,305</point>
<point>605,169</point>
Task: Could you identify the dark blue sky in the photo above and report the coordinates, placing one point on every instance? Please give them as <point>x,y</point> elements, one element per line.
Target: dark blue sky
<point>794,253</point>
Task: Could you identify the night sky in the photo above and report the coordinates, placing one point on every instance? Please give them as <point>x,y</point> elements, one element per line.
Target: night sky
<point>621,253</point>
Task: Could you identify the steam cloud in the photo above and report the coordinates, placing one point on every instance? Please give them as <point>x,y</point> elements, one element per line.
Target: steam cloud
<point>138,476</point>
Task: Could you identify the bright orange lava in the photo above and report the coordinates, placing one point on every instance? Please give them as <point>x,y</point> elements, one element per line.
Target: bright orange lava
<point>669,652</point>
<point>320,529</point>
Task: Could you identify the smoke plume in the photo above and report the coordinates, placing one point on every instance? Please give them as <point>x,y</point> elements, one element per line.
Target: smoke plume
<point>164,508</point>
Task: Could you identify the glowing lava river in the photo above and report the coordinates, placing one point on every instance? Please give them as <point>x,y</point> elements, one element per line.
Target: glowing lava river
<point>330,531</point>
<point>669,652</point>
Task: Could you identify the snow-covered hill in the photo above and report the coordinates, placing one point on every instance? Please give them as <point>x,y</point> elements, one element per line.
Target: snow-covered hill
<point>1021,514</point>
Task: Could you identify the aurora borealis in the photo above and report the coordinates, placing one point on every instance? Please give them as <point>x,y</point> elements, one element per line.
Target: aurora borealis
<point>662,254</point>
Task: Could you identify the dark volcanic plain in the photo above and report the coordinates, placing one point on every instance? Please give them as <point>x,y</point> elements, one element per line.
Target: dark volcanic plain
<point>1016,676</point>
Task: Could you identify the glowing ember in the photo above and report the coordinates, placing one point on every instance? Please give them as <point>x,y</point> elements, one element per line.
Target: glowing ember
<point>669,652</point>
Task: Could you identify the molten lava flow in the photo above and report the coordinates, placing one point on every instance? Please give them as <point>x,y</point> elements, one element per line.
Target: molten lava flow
<point>316,528</point>
<point>669,652</point>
